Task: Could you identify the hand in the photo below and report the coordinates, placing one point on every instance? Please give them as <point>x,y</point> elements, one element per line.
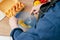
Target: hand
<point>13,22</point>
<point>35,9</point>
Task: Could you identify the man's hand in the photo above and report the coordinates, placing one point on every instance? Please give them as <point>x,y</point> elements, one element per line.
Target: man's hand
<point>35,9</point>
<point>13,22</point>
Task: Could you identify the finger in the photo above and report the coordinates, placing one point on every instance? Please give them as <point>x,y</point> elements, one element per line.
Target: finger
<point>31,11</point>
<point>35,12</point>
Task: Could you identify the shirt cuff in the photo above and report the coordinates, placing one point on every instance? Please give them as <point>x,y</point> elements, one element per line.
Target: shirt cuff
<point>16,29</point>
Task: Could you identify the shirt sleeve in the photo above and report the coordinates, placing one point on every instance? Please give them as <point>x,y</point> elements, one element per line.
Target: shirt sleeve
<point>15,32</point>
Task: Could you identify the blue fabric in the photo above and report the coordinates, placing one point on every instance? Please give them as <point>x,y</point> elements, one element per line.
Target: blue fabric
<point>16,31</point>
<point>48,27</point>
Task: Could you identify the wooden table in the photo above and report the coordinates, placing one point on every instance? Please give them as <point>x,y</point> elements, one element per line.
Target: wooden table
<point>4,25</point>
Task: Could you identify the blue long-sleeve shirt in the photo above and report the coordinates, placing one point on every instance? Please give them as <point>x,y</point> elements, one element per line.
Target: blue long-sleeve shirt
<point>47,28</point>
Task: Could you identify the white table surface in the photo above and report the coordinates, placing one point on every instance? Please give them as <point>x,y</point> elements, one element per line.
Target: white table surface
<point>5,38</point>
